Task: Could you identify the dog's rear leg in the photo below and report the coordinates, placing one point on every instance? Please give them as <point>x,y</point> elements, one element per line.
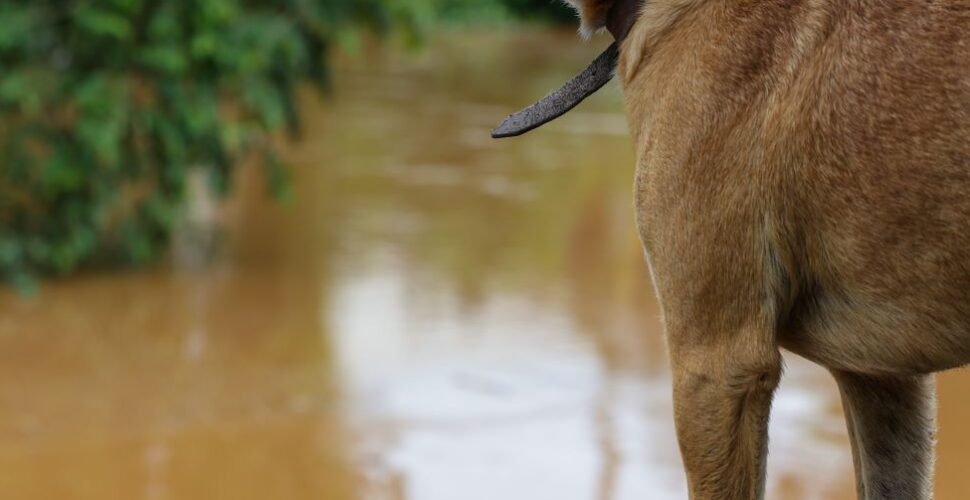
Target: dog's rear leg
<point>892,425</point>
<point>723,386</point>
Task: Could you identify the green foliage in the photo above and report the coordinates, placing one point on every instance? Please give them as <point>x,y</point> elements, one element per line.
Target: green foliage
<point>549,10</point>
<point>106,105</point>
<point>489,12</point>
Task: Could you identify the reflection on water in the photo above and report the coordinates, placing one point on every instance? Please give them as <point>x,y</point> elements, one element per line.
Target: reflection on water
<point>440,316</point>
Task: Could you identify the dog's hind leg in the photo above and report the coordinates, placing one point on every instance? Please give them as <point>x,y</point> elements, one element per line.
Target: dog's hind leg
<point>856,459</point>
<point>892,425</point>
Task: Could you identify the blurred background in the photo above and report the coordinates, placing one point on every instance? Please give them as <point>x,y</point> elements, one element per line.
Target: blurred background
<point>266,249</point>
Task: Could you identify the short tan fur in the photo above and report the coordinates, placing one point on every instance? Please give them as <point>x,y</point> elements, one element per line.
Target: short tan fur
<point>803,182</point>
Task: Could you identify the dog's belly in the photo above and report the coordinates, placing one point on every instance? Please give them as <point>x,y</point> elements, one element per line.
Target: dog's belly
<point>881,335</point>
<point>884,280</point>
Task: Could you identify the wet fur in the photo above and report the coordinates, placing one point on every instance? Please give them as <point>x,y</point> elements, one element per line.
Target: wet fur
<point>803,182</point>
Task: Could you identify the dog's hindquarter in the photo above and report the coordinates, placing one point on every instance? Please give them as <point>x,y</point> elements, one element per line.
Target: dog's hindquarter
<point>881,192</point>
<point>805,165</point>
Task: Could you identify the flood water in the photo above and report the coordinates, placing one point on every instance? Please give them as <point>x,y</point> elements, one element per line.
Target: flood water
<point>438,316</point>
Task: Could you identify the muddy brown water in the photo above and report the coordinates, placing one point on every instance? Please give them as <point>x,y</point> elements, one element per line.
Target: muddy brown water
<point>438,317</point>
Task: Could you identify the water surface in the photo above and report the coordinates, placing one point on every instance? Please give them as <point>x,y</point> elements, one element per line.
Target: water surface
<point>439,316</point>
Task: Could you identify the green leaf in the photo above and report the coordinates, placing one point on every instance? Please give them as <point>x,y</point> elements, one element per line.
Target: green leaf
<point>19,25</point>
<point>61,174</point>
<point>279,179</point>
<point>102,103</point>
<point>103,23</point>
<point>168,59</point>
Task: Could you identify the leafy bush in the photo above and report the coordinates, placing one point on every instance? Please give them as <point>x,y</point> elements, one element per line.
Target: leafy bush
<point>106,105</point>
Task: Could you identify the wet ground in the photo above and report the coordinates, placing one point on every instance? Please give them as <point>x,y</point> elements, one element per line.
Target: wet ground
<point>437,317</point>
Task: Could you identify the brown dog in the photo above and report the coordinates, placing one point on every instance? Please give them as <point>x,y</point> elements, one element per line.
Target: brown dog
<point>803,181</point>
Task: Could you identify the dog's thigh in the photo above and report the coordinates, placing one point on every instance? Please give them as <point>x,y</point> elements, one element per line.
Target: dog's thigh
<point>892,424</point>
